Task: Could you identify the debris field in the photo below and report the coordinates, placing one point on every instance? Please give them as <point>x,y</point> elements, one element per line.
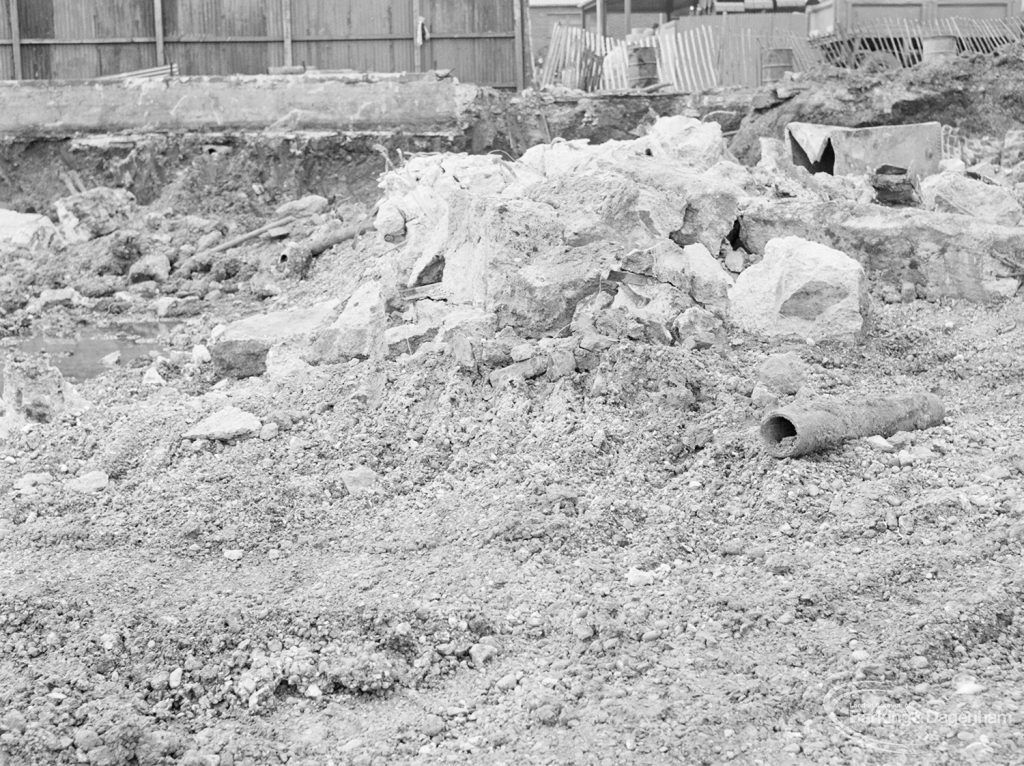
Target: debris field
<point>472,471</point>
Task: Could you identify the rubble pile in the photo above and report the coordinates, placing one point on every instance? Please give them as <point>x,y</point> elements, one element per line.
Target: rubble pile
<point>481,475</point>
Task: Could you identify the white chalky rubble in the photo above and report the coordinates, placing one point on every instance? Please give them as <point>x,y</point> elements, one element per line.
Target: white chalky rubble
<point>528,241</point>
<point>89,483</point>
<point>224,425</point>
<point>804,289</point>
<point>26,230</point>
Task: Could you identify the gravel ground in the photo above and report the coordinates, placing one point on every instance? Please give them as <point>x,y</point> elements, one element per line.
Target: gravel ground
<point>606,569</point>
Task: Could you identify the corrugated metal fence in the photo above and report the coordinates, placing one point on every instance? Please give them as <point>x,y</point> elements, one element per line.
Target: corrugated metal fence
<point>482,41</point>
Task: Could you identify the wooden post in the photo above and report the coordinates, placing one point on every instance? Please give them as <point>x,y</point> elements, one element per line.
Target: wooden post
<point>158,25</point>
<point>517,14</point>
<point>286,23</point>
<point>12,6</point>
<point>417,48</point>
<point>627,9</point>
<point>602,18</point>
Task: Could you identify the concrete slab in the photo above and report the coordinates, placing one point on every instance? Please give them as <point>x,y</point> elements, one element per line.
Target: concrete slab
<point>422,104</point>
<point>856,151</point>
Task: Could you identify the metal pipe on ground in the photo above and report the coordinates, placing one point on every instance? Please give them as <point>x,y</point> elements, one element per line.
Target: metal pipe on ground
<point>801,429</point>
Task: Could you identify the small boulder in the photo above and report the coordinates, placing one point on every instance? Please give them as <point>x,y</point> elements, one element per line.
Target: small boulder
<point>952,192</point>
<point>239,358</point>
<point>54,297</point>
<point>696,322</point>
<point>519,371</point>
<point>94,213</point>
<point>26,230</point>
<point>695,270</point>
<point>360,480</point>
<point>154,267</point>
<point>358,333</point>
<point>783,373</point>
<point>99,286</point>
<point>241,351</point>
<point>804,289</point>
<point>224,425</point>
<point>89,483</point>
<point>311,204</point>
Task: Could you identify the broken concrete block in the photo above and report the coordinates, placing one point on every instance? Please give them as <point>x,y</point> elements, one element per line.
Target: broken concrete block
<point>856,151</point>
<point>783,373</point>
<point>696,322</point>
<point>224,425</point>
<point>239,358</point>
<point>654,306</point>
<point>241,349</point>
<point>407,338</point>
<point>956,193</point>
<point>26,230</point>
<point>953,255</point>
<point>519,371</point>
<point>154,267</point>
<point>694,270</point>
<point>561,364</point>
<point>357,333</point>
<point>94,213</point>
<point>802,288</point>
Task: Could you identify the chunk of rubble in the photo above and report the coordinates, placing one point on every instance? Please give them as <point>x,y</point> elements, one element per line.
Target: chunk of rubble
<point>360,480</point>
<point>529,240</point>
<point>804,289</point>
<point>155,267</point>
<point>89,483</point>
<point>784,373</point>
<point>55,297</point>
<point>955,256</point>
<point>694,270</point>
<point>241,350</point>
<point>36,392</point>
<point>311,204</point>
<point>357,333</point>
<point>952,192</point>
<point>519,371</point>
<point>94,213</point>
<point>26,230</point>
<point>225,425</point>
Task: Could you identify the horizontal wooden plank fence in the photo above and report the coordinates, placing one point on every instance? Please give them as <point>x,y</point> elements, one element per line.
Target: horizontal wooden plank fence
<point>481,41</point>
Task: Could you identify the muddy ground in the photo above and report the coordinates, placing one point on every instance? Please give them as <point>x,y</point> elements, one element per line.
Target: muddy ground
<point>603,569</point>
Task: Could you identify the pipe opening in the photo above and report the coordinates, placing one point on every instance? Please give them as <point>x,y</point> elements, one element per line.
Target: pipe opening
<point>776,428</point>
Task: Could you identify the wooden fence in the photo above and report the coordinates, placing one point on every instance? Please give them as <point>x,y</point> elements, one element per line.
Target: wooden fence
<point>481,41</point>
<point>700,53</point>
<point>694,53</point>
<point>900,42</point>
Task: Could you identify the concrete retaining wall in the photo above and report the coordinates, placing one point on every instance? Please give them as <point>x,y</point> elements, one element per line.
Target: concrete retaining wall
<point>419,104</point>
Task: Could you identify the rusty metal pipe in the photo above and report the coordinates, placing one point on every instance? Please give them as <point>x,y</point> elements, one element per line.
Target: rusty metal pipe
<point>801,429</point>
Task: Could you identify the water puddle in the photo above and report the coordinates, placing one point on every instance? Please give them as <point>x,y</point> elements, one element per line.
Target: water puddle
<point>79,357</point>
